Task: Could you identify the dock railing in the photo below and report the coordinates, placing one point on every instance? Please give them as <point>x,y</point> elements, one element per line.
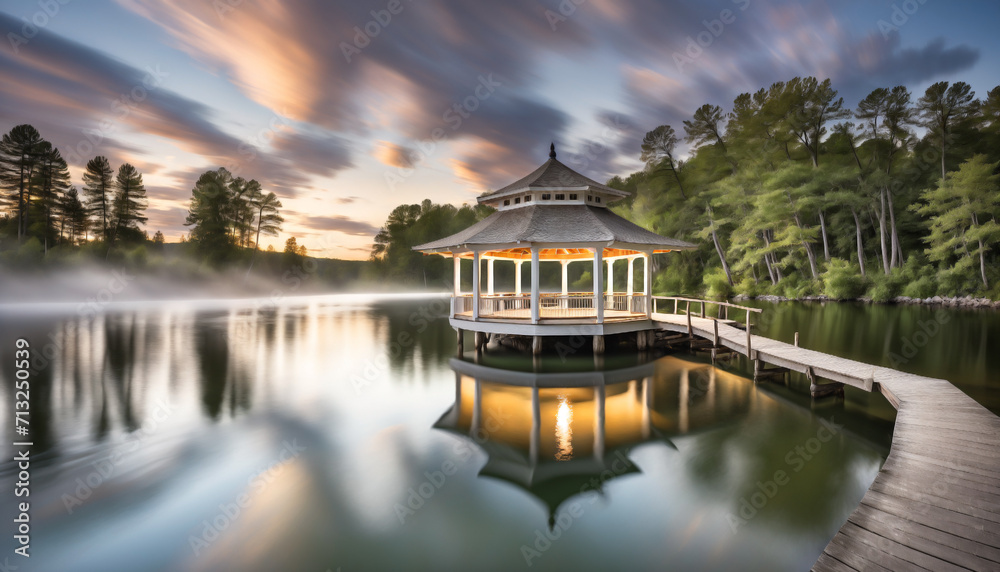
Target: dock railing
<point>682,305</point>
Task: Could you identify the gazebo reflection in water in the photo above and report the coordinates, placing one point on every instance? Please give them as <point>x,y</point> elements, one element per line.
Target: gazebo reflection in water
<point>558,435</point>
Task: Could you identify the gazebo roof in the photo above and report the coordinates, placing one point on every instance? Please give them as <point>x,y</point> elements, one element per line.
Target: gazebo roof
<point>563,229</point>
<point>553,175</point>
<point>555,225</point>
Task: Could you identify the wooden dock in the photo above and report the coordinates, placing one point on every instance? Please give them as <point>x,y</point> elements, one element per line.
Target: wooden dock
<point>935,505</point>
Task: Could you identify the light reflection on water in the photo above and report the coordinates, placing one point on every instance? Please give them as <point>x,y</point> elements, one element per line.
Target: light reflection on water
<point>301,437</point>
<point>564,430</point>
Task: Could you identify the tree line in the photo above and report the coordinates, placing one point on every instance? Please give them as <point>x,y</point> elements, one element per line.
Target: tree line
<point>792,192</point>
<point>413,224</point>
<point>43,205</point>
<point>227,214</point>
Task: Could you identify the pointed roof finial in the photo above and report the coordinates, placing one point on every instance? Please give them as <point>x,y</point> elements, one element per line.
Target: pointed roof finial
<point>552,150</point>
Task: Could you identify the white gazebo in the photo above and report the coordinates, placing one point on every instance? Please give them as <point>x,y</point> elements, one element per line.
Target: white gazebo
<point>554,214</point>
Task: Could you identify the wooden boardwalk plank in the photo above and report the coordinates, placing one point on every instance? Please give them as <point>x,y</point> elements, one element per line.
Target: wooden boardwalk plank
<point>948,547</point>
<point>935,505</point>
<point>933,516</point>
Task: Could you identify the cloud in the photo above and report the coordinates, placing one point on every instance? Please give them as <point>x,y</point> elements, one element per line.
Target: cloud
<point>323,153</point>
<point>74,88</point>
<point>394,155</point>
<point>471,77</point>
<point>170,221</point>
<point>290,57</point>
<point>85,101</point>
<point>339,223</point>
<point>775,43</point>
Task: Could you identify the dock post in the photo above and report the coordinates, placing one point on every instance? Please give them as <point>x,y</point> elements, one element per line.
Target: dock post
<point>480,340</point>
<point>461,341</point>
<point>748,333</point>
<point>536,345</point>
<point>641,341</point>
<point>796,339</point>
<point>688,312</point>
<point>715,343</point>
<point>598,344</point>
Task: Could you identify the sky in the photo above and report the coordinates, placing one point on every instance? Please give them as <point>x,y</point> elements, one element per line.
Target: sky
<point>346,109</point>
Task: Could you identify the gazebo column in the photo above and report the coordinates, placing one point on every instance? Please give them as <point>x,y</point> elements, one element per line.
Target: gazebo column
<point>630,289</point>
<point>517,277</point>
<point>489,276</point>
<point>565,276</point>
<point>458,291</point>
<point>476,269</point>
<point>647,279</point>
<point>598,284</point>
<point>535,308</point>
<point>611,276</point>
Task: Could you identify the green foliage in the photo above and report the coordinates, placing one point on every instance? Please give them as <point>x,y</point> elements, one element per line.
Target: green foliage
<point>18,157</point>
<point>796,286</point>
<point>923,287</point>
<point>963,210</point>
<point>412,225</point>
<point>137,257</point>
<point>786,184</point>
<point>717,285</point>
<point>885,287</point>
<point>209,215</point>
<point>680,277</point>
<point>128,206</point>
<point>98,184</point>
<point>227,215</point>
<point>748,287</point>
<point>842,280</point>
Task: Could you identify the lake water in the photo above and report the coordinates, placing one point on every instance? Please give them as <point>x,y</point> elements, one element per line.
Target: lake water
<point>957,344</point>
<point>343,433</point>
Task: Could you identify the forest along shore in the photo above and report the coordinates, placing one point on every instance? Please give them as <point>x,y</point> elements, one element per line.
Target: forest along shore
<point>952,301</point>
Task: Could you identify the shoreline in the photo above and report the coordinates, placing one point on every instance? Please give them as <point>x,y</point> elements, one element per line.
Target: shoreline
<point>947,301</point>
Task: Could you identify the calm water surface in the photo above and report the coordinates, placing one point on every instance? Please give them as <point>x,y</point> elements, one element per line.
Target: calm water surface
<point>960,345</point>
<point>343,433</point>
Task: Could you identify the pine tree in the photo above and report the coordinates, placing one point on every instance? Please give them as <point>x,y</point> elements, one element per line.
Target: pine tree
<point>941,108</point>
<point>18,158</point>
<point>658,152</point>
<point>99,181</point>
<point>73,215</point>
<point>963,209</point>
<point>129,205</point>
<point>51,181</point>
<point>209,213</point>
<point>266,211</point>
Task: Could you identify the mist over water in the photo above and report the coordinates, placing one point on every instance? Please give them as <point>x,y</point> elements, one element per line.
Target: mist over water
<point>341,431</point>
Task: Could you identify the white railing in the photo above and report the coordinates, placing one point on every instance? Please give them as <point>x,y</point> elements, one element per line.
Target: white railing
<point>634,303</point>
<point>550,305</point>
<point>575,305</point>
<point>513,306</point>
<point>461,304</point>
